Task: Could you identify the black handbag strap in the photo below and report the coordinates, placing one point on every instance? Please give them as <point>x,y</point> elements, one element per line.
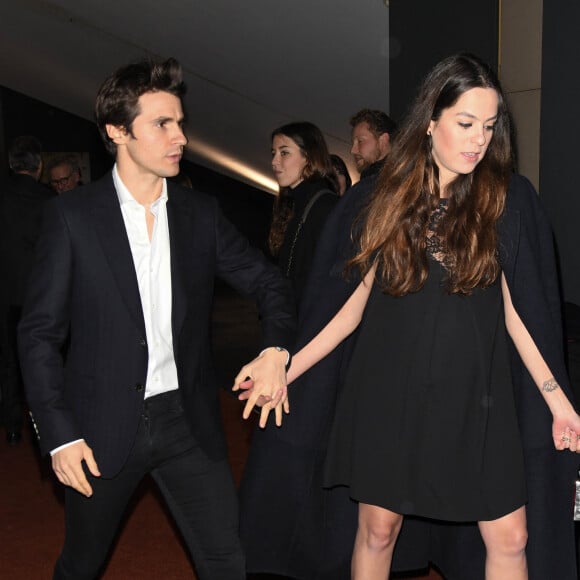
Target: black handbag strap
<point>305,213</point>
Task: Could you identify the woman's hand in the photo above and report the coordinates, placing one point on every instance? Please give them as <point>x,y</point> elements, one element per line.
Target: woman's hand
<point>276,404</point>
<point>566,431</point>
<point>263,382</point>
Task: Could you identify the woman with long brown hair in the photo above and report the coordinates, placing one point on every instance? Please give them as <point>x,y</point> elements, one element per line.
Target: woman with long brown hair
<point>303,169</point>
<point>435,419</point>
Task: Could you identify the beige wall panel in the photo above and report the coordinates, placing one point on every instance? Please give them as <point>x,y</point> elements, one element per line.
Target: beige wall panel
<point>521,44</point>
<point>525,107</point>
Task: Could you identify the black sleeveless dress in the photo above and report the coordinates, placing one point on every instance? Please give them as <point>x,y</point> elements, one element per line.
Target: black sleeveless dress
<point>426,424</point>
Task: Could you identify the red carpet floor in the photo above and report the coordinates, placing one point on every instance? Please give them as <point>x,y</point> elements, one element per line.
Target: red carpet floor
<point>148,547</point>
<point>32,527</point>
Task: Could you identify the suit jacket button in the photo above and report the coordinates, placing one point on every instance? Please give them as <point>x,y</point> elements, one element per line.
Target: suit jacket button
<point>142,342</point>
<point>139,387</point>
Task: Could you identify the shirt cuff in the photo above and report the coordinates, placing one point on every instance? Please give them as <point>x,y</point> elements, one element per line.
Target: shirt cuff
<point>280,349</point>
<point>65,445</point>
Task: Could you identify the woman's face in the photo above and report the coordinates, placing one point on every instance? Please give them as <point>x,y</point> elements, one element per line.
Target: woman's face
<point>461,135</point>
<point>288,162</point>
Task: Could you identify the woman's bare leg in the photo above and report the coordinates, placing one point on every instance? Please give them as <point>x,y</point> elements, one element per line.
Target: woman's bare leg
<point>505,541</point>
<point>378,529</point>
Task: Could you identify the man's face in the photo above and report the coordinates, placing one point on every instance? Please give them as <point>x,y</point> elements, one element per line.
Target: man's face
<point>155,145</point>
<point>366,147</point>
<point>63,178</point>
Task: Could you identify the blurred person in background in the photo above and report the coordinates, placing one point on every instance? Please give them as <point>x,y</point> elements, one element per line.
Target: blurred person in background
<point>64,173</point>
<point>21,199</point>
<point>308,192</point>
<point>372,132</point>
<point>342,175</point>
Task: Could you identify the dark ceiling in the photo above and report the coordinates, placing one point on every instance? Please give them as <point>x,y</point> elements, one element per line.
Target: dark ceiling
<point>250,66</point>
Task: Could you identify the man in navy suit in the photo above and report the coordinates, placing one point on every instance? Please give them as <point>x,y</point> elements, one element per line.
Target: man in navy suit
<point>125,267</point>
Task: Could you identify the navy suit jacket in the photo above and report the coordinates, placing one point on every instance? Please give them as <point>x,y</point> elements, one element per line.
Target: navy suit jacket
<point>84,286</point>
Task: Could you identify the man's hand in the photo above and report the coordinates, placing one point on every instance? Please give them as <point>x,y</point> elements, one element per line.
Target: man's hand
<point>264,381</point>
<point>68,466</point>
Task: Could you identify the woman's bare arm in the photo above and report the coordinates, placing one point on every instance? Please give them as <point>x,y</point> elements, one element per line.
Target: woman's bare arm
<point>566,422</point>
<point>340,327</point>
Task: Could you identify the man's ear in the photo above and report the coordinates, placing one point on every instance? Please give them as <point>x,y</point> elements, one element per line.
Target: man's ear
<point>385,142</point>
<point>117,134</point>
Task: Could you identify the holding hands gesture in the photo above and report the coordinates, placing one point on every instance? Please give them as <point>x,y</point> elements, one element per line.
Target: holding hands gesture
<point>263,382</point>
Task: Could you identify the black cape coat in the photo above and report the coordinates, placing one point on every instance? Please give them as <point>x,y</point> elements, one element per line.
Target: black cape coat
<point>290,525</point>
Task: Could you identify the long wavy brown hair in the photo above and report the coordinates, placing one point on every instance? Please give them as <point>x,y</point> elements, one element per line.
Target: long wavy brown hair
<point>394,225</point>
<point>312,144</point>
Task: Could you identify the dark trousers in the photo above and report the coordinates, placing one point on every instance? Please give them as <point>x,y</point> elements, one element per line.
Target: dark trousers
<point>199,493</point>
<point>10,378</point>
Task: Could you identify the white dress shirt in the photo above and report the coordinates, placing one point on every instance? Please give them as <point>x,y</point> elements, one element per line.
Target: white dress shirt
<point>152,260</point>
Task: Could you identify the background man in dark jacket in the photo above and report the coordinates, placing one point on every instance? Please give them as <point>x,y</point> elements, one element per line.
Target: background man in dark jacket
<point>64,173</point>
<point>372,132</point>
<point>21,201</point>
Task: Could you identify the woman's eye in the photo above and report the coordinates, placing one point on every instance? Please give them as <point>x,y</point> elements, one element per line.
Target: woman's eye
<point>489,127</point>
<point>465,125</point>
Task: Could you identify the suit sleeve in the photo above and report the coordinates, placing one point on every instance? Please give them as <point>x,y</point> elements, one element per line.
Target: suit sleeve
<point>248,271</point>
<point>43,331</point>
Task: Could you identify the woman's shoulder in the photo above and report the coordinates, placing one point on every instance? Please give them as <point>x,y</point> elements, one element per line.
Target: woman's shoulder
<point>325,201</point>
<point>522,197</point>
<point>521,194</point>
<point>524,212</point>
<point>319,194</point>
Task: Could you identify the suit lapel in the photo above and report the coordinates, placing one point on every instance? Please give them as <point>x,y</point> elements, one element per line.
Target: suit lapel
<point>112,235</point>
<point>181,228</point>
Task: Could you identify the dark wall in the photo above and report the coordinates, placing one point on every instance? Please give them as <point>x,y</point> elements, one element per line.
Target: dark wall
<point>422,32</point>
<point>560,127</point>
<point>247,207</point>
<point>56,129</point>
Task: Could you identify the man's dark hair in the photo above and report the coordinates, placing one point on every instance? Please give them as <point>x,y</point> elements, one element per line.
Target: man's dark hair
<point>118,98</point>
<point>25,154</point>
<point>377,121</point>
<point>70,160</point>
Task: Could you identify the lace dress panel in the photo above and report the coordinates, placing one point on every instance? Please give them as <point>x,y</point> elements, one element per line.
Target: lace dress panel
<point>434,246</point>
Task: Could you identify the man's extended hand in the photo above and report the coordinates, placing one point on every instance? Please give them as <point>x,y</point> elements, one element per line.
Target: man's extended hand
<point>68,466</point>
<point>266,386</point>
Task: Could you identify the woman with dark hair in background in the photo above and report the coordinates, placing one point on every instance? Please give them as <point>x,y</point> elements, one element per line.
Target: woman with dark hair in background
<point>342,174</point>
<point>456,404</point>
<point>302,167</point>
